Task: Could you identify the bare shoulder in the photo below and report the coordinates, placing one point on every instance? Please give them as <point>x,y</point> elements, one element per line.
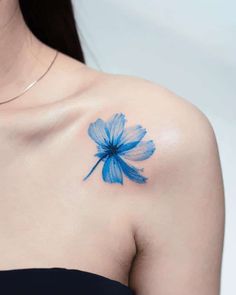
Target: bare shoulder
<point>186,152</point>
<point>183,136</point>
<point>181,132</point>
<point>178,127</point>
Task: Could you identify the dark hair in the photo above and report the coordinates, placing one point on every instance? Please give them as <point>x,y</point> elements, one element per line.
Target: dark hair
<point>53,22</point>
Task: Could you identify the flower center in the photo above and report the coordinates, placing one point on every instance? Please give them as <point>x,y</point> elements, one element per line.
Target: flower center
<point>112,150</point>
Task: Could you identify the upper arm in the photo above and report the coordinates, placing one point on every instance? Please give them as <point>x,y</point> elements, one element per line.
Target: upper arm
<point>180,227</point>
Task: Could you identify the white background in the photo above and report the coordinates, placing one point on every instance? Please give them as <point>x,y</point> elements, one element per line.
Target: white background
<point>187,46</point>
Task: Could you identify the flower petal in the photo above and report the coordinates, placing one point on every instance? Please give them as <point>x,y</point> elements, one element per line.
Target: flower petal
<point>98,133</point>
<point>102,151</point>
<point>115,127</point>
<point>131,172</point>
<point>131,137</point>
<point>111,171</point>
<point>142,151</point>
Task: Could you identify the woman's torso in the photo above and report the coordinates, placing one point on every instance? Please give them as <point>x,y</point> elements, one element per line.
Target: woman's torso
<point>49,217</point>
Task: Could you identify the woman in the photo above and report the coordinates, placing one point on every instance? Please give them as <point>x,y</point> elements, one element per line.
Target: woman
<point>145,215</point>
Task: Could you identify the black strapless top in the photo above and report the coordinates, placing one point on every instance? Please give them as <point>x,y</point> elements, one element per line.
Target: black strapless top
<point>58,280</point>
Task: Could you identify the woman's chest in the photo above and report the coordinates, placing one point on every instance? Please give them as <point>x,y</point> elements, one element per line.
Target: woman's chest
<point>50,217</point>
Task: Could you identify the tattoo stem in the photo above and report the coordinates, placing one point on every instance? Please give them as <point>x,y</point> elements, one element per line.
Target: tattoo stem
<point>91,171</point>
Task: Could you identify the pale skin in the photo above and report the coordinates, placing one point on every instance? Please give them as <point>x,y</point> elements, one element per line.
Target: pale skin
<point>164,237</point>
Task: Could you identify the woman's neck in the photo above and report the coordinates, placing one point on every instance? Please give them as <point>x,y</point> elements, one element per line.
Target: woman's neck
<point>22,56</point>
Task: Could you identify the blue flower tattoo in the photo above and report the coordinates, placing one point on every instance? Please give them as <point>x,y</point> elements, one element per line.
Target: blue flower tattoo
<point>116,143</point>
